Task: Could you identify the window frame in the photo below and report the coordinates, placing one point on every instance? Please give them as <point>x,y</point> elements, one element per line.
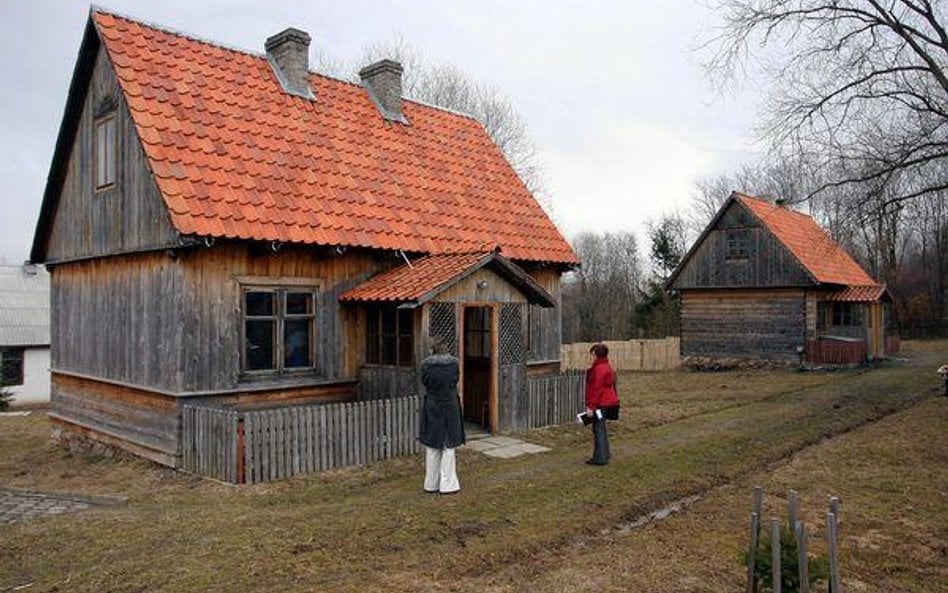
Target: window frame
<point>280,316</point>
<point>845,315</point>
<point>737,244</point>
<point>18,359</point>
<point>401,336</point>
<point>97,154</point>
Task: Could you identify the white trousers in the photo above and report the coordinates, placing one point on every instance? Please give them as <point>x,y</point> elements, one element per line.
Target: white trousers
<point>440,471</point>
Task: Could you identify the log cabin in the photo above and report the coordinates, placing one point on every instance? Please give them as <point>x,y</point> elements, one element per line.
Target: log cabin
<point>765,282</point>
<point>231,228</point>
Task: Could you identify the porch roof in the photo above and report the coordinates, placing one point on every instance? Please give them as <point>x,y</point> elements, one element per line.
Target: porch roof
<point>859,294</point>
<point>420,281</point>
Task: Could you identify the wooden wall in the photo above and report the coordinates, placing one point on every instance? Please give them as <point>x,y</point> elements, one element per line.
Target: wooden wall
<point>769,263</point>
<point>131,216</point>
<point>146,424</point>
<point>121,319</point>
<point>543,326</point>
<point>211,281</point>
<point>174,323</point>
<point>765,324</point>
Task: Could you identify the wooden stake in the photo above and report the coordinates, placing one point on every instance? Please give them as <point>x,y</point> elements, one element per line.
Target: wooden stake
<point>752,554</point>
<point>775,553</point>
<point>831,544</point>
<point>792,505</point>
<point>802,560</point>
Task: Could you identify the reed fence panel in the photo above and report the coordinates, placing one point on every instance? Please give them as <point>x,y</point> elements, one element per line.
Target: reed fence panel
<point>631,355</point>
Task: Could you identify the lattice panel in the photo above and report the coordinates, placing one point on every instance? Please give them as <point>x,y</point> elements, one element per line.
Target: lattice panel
<point>442,322</point>
<point>511,334</point>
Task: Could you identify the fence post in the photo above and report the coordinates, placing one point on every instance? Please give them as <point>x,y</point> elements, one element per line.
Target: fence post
<point>792,506</point>
<point>802,561</point>
<point>831,545</point>
<point>775,568</point>
<point>752,555</point>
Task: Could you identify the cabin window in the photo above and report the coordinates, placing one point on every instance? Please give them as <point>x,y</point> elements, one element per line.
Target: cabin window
<point>738,244</point>
<point>389,336</point>
<point>11,362</point>
<point>106,152</point>
<point>846,314</point>
<point>279,330</point>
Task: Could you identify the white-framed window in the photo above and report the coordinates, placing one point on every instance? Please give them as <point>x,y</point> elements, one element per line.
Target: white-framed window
<point>106,152</point>
<point>279,329</point>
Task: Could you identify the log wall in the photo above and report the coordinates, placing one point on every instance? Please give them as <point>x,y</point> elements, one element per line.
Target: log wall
<point>763,324</point>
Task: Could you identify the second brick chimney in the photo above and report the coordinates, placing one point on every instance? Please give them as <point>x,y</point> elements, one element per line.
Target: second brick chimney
<point>383,81</point>
<point>288,54</point>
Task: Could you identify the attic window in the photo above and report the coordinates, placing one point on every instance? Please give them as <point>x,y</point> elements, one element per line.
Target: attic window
<point>738,244</point>
<point>106,152</point>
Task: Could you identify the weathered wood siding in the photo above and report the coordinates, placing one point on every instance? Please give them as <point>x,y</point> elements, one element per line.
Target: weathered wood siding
<point>543,326</point>
<point>211,282</point>
<point>146,424</point>
<point>120,319</point>
<point>131,216</point>
<point>765,324</point>
<point>768,262</point>
<point>382,382</point>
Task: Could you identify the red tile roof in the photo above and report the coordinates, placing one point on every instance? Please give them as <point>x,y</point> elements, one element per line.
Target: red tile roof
<point>236,157</point>
<point>825,260</point>
<point>425,278</point>
<point>858,294</point>
<point>410,283</point>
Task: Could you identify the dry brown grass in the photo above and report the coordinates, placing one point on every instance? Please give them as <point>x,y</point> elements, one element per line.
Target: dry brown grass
<point>537,523</point>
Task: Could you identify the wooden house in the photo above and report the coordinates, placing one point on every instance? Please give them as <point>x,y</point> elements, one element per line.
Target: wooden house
<point>229,228</point>
<point>766,282</point>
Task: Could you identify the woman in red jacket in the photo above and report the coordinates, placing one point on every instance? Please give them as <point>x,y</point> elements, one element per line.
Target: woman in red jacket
<point>602,401</point>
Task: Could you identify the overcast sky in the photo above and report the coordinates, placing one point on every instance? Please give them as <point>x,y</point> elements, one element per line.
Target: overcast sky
<point>623,118</point>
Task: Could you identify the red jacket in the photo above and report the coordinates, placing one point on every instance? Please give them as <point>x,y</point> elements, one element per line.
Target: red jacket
<point>601,385</point>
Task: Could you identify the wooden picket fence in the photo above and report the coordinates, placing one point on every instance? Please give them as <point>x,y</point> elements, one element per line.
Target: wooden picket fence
<point>554,399</point>
<point>254,446</point>
<point>210,442</point>
<point>631,355</point>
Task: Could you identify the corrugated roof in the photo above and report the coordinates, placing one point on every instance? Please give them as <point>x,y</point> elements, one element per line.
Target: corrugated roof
<point>24,306</point>
<point>236,157</point>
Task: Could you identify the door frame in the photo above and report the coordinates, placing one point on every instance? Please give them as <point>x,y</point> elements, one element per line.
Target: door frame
<point>492,394</point>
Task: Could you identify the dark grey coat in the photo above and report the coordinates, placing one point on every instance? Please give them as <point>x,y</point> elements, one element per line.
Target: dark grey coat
<point>442,426</point>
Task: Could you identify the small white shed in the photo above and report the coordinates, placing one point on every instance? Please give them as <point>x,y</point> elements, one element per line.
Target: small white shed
<point>24,332</point>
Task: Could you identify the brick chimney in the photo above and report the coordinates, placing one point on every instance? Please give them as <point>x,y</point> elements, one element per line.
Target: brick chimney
<point>288,54</point>
<point>383,81</point>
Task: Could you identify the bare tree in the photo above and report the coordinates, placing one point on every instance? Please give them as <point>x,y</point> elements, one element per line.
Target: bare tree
<point>598,301</point>
<point>447,86</point>
<point>859,88</point>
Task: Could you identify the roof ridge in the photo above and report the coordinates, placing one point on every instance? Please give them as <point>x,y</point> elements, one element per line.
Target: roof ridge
<point>99,9</point>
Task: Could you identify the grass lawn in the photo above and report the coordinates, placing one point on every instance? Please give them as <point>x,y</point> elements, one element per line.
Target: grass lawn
<point>545,522</point>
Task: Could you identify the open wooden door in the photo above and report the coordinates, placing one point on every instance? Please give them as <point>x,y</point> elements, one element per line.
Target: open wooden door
<point>477,366</point>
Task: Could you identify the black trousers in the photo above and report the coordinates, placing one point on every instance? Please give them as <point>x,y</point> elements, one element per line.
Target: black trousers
<point>601,452</point>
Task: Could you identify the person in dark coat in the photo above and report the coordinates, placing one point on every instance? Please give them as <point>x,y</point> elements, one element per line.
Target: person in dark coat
<point>442,426</point>
<point>602,401</point>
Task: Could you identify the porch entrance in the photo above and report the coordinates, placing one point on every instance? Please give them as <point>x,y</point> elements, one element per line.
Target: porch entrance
<point>478,324</point>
